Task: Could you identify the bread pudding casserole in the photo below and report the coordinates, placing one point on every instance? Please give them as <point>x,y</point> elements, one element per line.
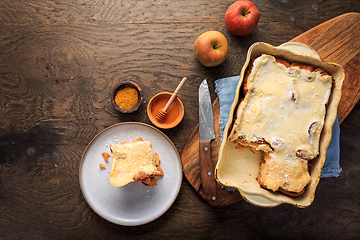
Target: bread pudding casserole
<point>281,115</point>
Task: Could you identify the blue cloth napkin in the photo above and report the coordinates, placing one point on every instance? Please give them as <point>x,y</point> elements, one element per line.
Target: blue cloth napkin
<point>225,89</point>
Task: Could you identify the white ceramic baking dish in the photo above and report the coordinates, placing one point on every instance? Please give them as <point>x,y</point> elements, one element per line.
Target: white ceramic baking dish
<point>239,168</point>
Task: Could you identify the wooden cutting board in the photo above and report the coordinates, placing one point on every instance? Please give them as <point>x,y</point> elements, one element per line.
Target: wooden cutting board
<point>337,40</point>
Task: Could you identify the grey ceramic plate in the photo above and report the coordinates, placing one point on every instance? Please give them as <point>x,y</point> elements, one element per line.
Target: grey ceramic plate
<point>133,204</point>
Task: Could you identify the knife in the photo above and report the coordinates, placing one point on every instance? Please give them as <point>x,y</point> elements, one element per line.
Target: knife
<point>207,133</point>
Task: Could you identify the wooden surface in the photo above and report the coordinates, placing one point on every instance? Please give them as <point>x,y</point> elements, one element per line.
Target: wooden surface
<point>58,63</point>
<point>336,40</point>
<point>191,164</point>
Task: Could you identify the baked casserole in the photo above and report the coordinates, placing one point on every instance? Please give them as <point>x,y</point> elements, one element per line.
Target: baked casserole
<point>280,124</point>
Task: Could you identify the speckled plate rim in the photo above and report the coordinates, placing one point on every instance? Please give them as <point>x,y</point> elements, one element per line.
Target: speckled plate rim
<point>295,52</point>
<point>134,204</point>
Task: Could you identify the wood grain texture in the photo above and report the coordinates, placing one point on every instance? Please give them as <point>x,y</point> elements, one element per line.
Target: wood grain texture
<point>208,182</point>
<point>338,40</point>
<point>59,60</point>
<point>191,164</point>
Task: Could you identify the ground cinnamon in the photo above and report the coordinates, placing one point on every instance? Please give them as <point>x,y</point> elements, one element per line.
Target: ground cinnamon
<point>126,98</point>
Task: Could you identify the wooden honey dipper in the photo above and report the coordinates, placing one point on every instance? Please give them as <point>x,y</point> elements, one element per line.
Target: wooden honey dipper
<point>162,114</point>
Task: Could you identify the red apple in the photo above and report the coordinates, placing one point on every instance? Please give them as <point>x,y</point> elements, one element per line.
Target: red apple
<point>211,48</point>
<point>242,17</point>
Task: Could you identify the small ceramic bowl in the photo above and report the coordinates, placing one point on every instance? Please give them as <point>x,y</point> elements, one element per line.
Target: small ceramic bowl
<point>121,86</point>
<point>175,113</point>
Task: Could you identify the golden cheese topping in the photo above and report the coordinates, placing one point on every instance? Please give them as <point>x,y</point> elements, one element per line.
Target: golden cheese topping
<point>285,109</point>
<point>130,159</point>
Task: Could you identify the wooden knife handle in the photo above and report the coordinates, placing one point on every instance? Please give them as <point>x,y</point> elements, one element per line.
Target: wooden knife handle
<point>207,173</point>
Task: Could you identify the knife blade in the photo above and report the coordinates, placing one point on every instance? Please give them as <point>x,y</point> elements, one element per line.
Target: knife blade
<point>207,133</point>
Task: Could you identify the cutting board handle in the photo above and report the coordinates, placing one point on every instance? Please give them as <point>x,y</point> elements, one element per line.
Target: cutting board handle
<point>300,48</point>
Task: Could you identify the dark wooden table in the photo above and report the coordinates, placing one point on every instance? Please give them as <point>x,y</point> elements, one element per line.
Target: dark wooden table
<point>58,63</point>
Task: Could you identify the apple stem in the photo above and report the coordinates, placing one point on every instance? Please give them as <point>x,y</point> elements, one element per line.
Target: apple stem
<point>244,13</point>
<point>216,46</point>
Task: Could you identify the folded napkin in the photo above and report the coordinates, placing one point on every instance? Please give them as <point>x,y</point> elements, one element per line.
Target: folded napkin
<point>225,89</point>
